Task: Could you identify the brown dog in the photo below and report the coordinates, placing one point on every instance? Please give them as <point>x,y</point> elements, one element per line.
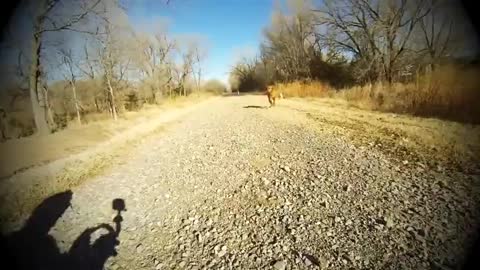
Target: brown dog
<point>273,94</point>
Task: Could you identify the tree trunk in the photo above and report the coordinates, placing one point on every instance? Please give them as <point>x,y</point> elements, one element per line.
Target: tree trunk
<point>97,107</point>
<point>112,100</point>
<point>3,125</point>
<point>48,109</point>
<point>36,97</point>
<point>74,90</point>
<point>430,68</point>
<point>199,79</point>
<point>153,99</point>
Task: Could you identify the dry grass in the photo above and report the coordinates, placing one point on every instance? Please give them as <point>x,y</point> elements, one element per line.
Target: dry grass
<point>450,93</point>
<point>23,153</point>
<point>415,142</point>
<point>301,89</point>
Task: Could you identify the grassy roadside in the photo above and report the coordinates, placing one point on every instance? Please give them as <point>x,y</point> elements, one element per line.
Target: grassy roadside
<point>449,92</point>
<point>22,192</point>
<point>425,143</point>
<point>21,154</point>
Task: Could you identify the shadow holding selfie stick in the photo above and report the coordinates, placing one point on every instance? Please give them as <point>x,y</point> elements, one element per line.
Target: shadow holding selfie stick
<point>32,247</point>
<point>82,255</point>
<point>119,206</point>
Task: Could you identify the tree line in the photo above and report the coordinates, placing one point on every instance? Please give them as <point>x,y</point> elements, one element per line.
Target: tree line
<point>347,42</point>
<point>81,57</point>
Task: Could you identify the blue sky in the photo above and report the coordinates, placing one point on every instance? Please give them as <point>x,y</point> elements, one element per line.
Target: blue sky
<point>230,27</point>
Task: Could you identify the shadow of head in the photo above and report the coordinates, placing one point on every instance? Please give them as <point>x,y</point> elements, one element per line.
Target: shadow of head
<point>119,205</point>
<point>255,107</point>
<point>47,213</point>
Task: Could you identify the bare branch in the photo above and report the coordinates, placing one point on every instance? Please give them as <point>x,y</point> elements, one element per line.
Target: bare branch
<point>72,22</point>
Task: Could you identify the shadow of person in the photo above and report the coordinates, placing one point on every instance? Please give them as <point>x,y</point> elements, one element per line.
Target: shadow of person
<point>32,247</point>
<point>83,255</point>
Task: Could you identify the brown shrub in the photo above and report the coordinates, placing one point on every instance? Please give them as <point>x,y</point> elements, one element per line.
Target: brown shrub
<point>450,92</point>
<point>303,89</point>
<point>20,124</point>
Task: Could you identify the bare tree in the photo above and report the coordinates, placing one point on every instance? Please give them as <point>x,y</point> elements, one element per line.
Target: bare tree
<point>199,53</point>
<point>154,62</point>
<point>198,59</point>
<point>245,67</point>
<point>113,54</point>
<point>89,65</point>
<point>108,62</point>
<point>21,80</point>
<point>44,23</point>
<point>290,41</point>
<point>436,31</point>
<point>71,77</point>
<point>245,75</point>
<point>376,33</point>
<point>185,68</point>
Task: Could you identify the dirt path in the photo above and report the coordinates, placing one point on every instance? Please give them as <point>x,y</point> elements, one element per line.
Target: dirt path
<point>235,185</point>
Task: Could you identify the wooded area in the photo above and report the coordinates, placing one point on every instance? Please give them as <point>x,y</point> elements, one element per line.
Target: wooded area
<point>374,43</point>
<point>354,42</point>
<point>84,58</point>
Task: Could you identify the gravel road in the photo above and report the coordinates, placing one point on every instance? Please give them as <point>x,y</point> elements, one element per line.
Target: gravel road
<point>234,185</point>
